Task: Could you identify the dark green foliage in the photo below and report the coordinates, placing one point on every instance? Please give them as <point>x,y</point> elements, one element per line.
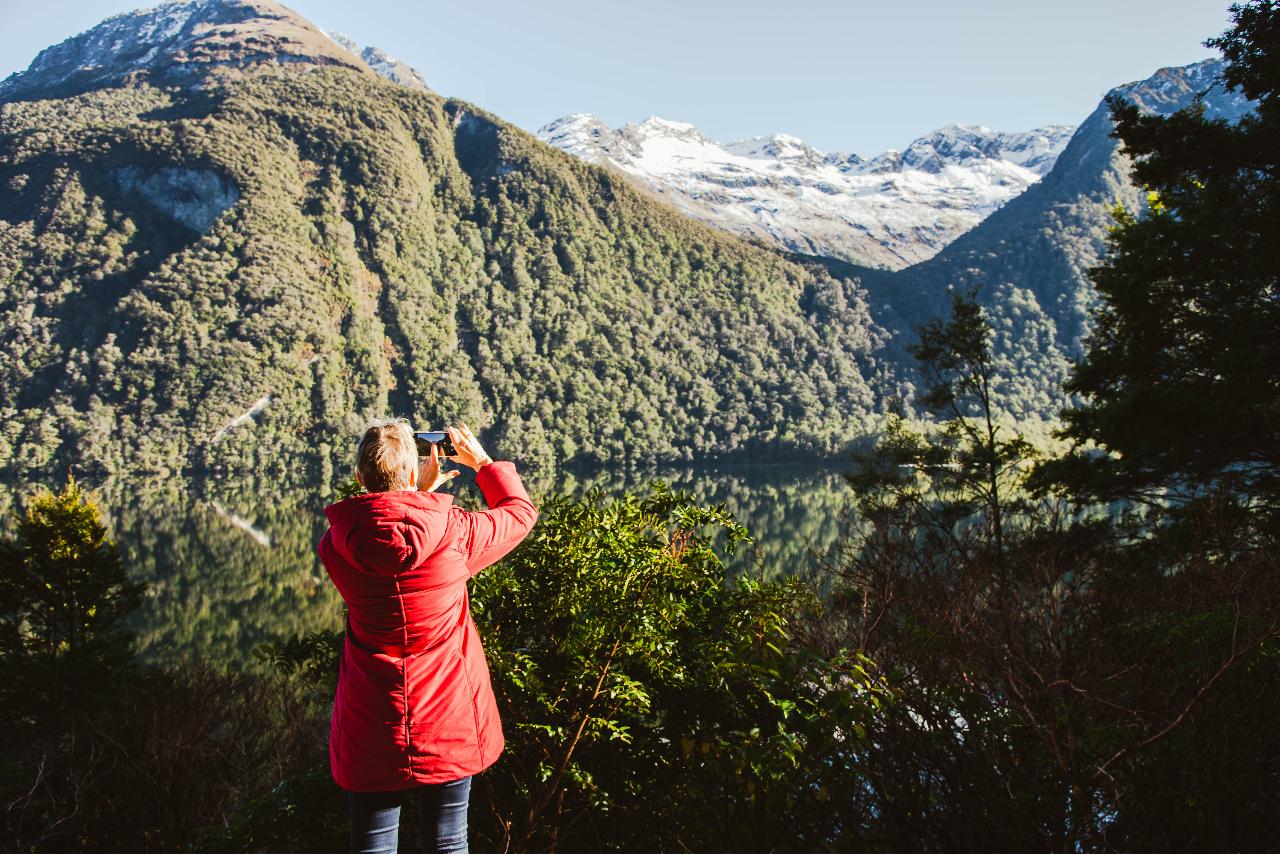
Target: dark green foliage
<point>305,812</point>
<point>957,361</point>
<point>968,468</point>
<point>297,807</point>
<point>648,703</point>
<point>1179,380</point>
<point>314,656</point>
<point>64,584</point>
<point>387,251</point>
<point>178,748</point>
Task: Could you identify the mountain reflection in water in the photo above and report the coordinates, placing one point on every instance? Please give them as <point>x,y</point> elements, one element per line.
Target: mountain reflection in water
<point>230,565</point>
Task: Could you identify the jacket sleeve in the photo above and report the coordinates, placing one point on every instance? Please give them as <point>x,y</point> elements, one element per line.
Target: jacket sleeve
<point>487,536</point>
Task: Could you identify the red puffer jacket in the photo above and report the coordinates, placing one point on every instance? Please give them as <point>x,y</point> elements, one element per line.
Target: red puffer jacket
<point>414,703</point>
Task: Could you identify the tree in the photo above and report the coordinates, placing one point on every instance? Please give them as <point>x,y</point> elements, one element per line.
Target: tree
<point>943,583</point>
<point>1179,374</point>
<point>64,597</point>
<point>956,358</point>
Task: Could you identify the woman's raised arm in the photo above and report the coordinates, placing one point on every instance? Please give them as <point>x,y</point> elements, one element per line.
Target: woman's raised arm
<point>488,535</point>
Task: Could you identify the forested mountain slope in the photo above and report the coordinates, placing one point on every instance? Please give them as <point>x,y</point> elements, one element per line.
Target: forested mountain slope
<point>237,268</point>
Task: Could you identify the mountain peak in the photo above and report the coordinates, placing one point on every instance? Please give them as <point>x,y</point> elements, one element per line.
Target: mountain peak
<point>778,146</point>
<point>658,123</point>
<point>1171,89</point>
<point>656,127</point>
<point>381,62</point>
<point>586,136</point>
<point>961,144</point>
<point>179,43</point>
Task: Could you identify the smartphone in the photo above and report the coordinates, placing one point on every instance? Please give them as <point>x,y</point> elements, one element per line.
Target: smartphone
<point>439,438</point>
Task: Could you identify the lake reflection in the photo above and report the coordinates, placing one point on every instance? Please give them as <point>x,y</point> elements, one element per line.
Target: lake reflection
<point>230,566</point>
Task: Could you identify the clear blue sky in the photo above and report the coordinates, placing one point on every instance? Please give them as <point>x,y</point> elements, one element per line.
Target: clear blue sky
<point>846,75</point>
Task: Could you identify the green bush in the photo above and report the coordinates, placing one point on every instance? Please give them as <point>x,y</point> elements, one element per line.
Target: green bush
<point>648,702</point>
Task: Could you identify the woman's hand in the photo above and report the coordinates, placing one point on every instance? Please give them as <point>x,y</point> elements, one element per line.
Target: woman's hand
<point>430,477</point>
<point>467,448</point>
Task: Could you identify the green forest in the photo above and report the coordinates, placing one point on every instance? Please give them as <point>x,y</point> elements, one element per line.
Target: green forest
<point>331,247</point>
<point>1010,644</point>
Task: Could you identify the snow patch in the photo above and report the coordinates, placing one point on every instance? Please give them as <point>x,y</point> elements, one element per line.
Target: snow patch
<point>892,210</point>
<point>243,418</point>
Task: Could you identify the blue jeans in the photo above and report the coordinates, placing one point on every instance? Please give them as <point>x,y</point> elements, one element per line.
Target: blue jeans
<point>442,811</point>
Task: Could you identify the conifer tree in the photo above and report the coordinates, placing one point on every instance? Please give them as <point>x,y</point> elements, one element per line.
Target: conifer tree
<point>64,597</point>
<point>1180,373</point>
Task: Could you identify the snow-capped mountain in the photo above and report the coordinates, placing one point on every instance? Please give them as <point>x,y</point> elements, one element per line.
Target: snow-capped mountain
<point>890,211</point>
<point>182,43</point>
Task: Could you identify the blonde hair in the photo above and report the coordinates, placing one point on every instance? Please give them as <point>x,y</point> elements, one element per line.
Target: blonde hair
<point>387,456</point>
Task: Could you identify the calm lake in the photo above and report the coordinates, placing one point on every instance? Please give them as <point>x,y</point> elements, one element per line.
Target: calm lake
<point>231,566</point>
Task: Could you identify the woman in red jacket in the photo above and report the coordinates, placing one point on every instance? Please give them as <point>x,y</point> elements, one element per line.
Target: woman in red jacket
<point>414,710</point>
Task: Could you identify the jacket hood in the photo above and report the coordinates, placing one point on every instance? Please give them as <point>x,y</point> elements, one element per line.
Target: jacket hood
<point>389,532</point>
